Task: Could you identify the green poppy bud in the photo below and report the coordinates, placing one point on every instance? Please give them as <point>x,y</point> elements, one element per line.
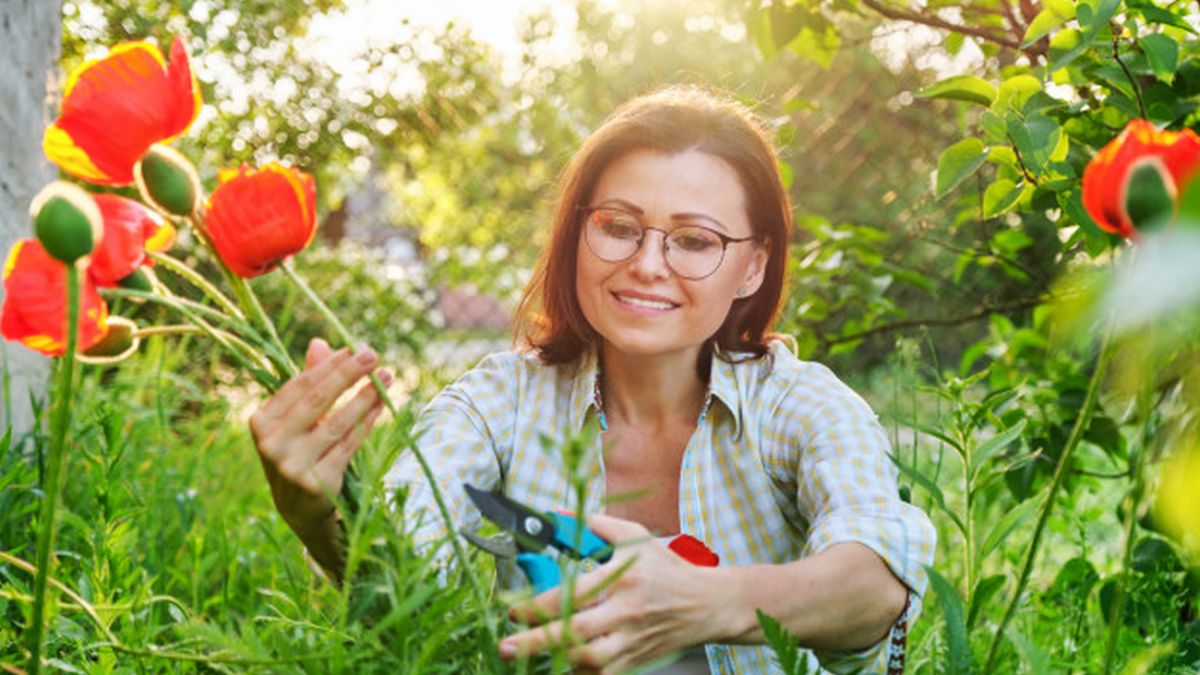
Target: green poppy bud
<point>67,221</point>
<point>167,181</point>
<point>138,280</point>
<point>118,343</point>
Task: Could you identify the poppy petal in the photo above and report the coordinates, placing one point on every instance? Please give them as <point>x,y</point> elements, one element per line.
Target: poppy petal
<point>35,307</point>
<point>257,217</point>
<point>116,107</point>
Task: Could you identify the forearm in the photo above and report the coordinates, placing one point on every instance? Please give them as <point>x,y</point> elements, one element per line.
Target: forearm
<point>326,544</point>
<point>842,599</point>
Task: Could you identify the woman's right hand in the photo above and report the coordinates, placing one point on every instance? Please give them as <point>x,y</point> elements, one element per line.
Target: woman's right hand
<point>305,446</point>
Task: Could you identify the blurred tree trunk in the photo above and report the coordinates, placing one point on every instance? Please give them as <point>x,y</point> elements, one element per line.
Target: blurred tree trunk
<point>30,36</point>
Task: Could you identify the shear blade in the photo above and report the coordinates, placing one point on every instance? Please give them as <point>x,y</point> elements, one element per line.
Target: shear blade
<point>532,530</point>
<point>501,546</point>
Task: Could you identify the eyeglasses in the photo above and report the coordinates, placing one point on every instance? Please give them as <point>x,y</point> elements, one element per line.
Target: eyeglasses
<point>691,251</point>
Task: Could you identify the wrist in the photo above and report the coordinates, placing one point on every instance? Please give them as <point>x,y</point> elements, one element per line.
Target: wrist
<point>735,619</point>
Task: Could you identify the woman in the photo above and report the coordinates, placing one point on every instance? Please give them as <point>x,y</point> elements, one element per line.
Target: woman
<point>650,314</point>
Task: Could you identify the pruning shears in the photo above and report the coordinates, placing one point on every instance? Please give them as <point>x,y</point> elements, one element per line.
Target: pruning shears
<point>527,533</point>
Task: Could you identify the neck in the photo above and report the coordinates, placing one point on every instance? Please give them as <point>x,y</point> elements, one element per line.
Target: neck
<point>651,391</point>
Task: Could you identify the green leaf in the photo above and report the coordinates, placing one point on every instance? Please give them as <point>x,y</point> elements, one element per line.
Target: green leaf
<point>1000,197</point>
<point>1011,520</point>
<point>1163,55</point>
<point>1011,241</point>
<point>984,590</point>
<point>1053,16</point>
<point>1015,91</point>
<point>1094,15</point>
<point>785,646</point>
<point>931,487</point>
<point>958,650</point>
<point>1037,660</point>
<point>1064,47</point>
<point>995,444</point>
<point>961,88</point>
<point>1154,14</point>
<point>958,163</point>
<point>1036,139</point>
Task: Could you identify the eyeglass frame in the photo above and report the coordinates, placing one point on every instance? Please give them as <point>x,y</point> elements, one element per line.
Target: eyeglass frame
<point>726,240</point>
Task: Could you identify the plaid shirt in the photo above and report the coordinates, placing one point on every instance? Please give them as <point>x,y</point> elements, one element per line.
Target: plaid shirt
<point>785,461</point>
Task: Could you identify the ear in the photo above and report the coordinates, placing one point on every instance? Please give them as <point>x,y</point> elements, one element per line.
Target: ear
<point>756,270</point>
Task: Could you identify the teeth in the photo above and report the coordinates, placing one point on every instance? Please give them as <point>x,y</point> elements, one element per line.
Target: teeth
<point>638,302</point>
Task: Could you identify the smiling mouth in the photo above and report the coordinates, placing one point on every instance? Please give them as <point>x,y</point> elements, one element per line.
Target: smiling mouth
<point>661,305</point>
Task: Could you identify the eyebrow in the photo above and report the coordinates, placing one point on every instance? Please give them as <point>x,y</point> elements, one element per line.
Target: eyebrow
<point>637,210</point>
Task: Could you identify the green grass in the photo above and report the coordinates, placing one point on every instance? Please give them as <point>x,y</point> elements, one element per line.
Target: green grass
<point>173,558</point>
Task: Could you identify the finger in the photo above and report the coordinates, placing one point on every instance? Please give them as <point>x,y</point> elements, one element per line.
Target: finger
<point>599,654</point>
<point>345,447</point>
<point>318,389</point>
<point>617,530</point>
<point>318,351</point>
<point>347,419</point>
<point>589,587</point>
<point>583,626</point>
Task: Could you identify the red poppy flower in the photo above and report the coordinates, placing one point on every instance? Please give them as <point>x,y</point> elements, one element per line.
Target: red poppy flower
<point>116,107</point>
<point>694,551</point>
<point>257,217</point>
<point>1175,154</point>
<point>130,229</point>
<point>35,302</point>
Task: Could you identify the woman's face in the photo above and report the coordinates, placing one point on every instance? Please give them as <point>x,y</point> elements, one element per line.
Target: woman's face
<point>640,306</point>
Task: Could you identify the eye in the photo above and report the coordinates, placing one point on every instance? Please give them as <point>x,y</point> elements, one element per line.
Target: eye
<point>694,239</point>
<point>617,225</point>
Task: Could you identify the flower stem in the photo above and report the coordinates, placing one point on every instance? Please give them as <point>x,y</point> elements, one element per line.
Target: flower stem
<point>243,353</point>
<point>198,281</point>
<point>1064,461</point>
<point>444,511</point>
<point>60,421</point>
<point>248,301</point>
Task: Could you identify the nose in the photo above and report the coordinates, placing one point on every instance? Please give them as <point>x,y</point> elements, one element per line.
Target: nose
<point>650,261</point>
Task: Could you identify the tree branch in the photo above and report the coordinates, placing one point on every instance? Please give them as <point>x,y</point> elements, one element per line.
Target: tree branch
<point>937,22</point>
<point>980,313</point>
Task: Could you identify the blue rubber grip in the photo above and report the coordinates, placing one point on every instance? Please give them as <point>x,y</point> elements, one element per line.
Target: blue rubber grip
<point>566,537</point>
<point>542,570</point>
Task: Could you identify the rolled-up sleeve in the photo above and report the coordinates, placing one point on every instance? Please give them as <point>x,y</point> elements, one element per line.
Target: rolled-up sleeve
<point>846,491</point>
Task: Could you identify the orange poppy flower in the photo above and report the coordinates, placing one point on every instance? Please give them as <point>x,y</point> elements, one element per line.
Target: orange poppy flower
<point>35,302</point>
<point>130,229</point>
<point>257,217</point>
<point>1174,154</point>
<point>116,107</point>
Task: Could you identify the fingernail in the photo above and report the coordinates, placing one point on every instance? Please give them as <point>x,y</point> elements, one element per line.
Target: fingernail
<point>386,377</point>
<point>508,650</point>
<point>366,357</point>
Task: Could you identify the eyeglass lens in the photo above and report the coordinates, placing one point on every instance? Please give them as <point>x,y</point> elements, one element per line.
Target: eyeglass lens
<point>691,251</point>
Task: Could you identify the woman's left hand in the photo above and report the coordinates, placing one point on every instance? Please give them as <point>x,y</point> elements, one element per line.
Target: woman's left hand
<point>653,603</point>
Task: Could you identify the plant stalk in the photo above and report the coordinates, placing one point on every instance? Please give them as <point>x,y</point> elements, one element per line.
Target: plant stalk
<point>1060,471</point>
<point>198,281</point>
<point>1136,465</point>
<point>52,480</point>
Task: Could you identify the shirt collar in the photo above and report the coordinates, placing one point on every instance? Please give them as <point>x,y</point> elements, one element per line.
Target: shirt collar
<point>722,386</point>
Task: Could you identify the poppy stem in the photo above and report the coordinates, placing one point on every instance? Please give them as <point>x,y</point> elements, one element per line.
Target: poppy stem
<point>249,301</point>
<point>198,281</point>
<point>238,348</point>
<point>60,421</point>
<point>443,510</point>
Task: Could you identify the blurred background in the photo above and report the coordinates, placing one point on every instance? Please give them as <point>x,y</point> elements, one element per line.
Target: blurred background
<point>436,131</point>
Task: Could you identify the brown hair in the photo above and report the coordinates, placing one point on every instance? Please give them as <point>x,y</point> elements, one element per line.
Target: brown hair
<point>671,120</point>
